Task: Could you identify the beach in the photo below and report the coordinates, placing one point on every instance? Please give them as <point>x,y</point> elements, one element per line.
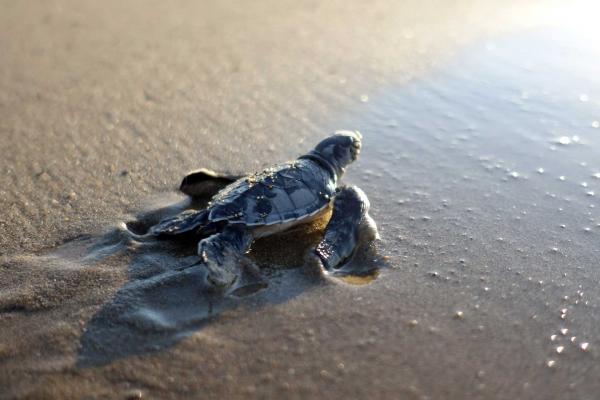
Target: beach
<point>480,142</point>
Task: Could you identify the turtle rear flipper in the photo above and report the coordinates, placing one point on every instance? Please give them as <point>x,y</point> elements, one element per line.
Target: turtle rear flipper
<point>205,182</point>
<point>188,222</point>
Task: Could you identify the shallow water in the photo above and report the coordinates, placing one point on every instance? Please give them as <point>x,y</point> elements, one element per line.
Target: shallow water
<point>485,180</point>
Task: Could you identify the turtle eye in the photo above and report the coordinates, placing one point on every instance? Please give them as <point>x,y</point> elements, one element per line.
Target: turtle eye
<point>356,144</point>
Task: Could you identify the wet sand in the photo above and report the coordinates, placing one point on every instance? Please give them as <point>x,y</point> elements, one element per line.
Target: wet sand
<point>481,138</point>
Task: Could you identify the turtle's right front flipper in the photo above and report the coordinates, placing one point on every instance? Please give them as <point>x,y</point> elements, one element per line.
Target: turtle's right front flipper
<point>349,227</point>
<point>205,182</point>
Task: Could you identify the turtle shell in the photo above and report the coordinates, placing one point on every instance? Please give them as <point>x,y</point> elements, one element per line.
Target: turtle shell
<point>280,194</point>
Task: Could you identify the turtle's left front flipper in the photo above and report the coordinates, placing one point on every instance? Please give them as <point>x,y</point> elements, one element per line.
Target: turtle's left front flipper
<point>349,227</point>
<point>205,182</point>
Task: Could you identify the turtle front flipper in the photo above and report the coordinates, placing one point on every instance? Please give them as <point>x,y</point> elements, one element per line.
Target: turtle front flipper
<point>205,182</point>
<point>349,227</point>
<point>228,268</point>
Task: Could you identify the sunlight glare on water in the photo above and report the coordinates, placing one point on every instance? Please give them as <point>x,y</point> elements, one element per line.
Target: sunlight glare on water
<point>579,17</point>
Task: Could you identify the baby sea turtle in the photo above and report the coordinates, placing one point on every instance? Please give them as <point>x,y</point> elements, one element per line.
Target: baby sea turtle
<point>272,201</point>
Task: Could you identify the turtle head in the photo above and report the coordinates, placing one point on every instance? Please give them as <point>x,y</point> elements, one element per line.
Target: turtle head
<point>339,150</point>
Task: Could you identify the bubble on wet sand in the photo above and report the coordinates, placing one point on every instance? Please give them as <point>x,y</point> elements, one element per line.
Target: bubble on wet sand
<point>584,346</point>
<point>564,331</point>
<point>564,140</point>
<point>134,394</point>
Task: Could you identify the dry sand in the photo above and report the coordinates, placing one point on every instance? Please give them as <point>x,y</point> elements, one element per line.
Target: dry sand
<point>491,285</point>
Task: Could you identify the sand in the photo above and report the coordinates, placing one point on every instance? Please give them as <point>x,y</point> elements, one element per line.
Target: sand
<point>480,161</point>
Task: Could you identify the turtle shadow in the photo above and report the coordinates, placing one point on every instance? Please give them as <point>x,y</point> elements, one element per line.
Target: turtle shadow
<point>162,304</point>
<point>166,297</point>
